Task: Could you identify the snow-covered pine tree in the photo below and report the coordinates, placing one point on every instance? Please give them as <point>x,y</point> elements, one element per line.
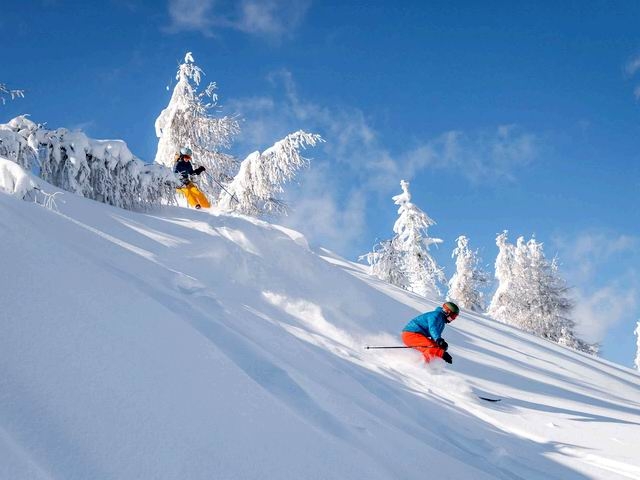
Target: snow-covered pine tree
<point>14,142</point>
<point>6,92</point>
<point>423,274</point>
<point>637,362</point>
<point>547,302</point>
<point>256,189</point>
<point>189,120</point>
<point>103,170</point>
<point>404,260</point>
<point>467,283</point>
<point>386,264</point>
<point>532,295</point>
<point>504,299</point>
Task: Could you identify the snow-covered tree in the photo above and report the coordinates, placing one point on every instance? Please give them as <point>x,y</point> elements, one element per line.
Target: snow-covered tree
<point>547,301</point>
<point>532,295</point>
<point>466,284</point>
<point>103,170</point>
<point>637,362</point>
<point>190,120</point>
<point>386,264</point>
<point>14,142</point>
<point>411,228</point>
<point>6,92</point>
<point>252,187</point>
<point>257,188</point>
<point>14,180</point>
<point>405,261</point>
<point>505,296</point>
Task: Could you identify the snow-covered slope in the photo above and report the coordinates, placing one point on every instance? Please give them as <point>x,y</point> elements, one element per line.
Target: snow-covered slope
<point>182,344</point>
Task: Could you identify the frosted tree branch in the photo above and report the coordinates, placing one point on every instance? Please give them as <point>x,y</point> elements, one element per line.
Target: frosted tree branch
<point>8,92</point>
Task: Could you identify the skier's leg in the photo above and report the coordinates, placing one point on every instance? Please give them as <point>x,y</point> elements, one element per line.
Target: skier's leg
<point>200,197</point>
<point>187,191</point>
<point>425,345</point>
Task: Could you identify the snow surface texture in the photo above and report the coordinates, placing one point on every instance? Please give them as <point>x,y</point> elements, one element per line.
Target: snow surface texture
<point>183,344</point>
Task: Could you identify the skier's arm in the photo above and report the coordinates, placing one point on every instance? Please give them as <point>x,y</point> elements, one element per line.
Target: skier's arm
<point>436,326</point>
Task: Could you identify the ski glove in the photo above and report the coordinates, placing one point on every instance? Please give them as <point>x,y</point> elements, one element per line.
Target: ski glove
<point>447,358</point>
<point>442,344</point>
<point>199,170</point>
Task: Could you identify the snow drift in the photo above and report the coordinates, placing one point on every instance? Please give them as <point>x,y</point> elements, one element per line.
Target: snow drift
<point>182,344</point>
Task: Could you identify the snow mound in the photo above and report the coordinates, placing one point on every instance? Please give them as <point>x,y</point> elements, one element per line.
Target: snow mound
<point>14,180</point>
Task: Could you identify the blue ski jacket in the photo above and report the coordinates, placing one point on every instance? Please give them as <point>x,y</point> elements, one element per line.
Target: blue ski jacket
<point>429,324</point>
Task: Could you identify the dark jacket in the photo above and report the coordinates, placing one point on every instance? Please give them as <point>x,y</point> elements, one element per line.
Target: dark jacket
<point>185,169</point>
<point>430,324</point>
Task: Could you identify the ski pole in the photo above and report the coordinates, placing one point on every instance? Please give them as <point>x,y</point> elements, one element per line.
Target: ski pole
<point>368,347</point>
<point>220,185</point>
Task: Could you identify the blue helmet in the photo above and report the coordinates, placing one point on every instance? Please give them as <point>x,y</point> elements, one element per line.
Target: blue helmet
<point>186,151</point>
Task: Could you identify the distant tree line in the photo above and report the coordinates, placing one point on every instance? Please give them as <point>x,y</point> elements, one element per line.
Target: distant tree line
<point>530,295</point>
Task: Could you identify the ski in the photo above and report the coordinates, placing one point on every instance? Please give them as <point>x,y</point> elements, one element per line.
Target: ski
<point>487,399</point>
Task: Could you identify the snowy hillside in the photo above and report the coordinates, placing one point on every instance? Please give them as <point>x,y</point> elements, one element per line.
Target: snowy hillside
<point>183,344</point>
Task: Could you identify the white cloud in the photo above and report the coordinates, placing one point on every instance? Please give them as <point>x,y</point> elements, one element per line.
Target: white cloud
<point>633,65</point>
<point>486,155</point>
<point>321,212</point>
<point>631,68</point>
<point>489,155</point>
<point>354,163</point>
<point>602,299</point>
<point>192,15</point>
<point>597,312</point>
<point>275,19</point>
<point>589,251</point>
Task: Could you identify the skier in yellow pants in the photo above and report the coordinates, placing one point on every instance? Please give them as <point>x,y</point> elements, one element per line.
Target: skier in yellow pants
<point>195,198</point>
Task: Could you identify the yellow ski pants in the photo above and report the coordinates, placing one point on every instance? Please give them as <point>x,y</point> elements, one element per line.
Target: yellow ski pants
<point>195,198</point>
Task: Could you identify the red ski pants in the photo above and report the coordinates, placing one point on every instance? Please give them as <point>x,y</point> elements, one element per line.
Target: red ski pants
<point>425,345</point>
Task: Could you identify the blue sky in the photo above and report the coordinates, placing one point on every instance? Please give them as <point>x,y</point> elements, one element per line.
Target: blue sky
<point>502,115</point>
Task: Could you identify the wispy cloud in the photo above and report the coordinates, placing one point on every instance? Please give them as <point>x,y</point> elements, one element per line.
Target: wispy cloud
<point>631,68</point>
<point>590,250</point>
<point>271,17</point>
<point>367,167</point>
<point>352,141</point>
<point>601,301</point>
<point>275,19</point>
<point>488,155</point>
<point>598,311</point>
<point>192,15</point>
<point>633,65</point>
<point>327,216</point>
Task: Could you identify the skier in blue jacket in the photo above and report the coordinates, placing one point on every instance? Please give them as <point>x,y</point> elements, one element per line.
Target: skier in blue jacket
<point>424,332</point>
